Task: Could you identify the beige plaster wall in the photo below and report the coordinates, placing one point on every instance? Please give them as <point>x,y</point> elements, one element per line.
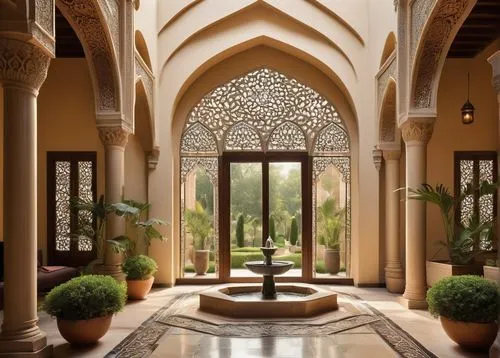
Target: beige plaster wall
<point>343,40</point>
<point>451,135</point>
<point>66,122</point>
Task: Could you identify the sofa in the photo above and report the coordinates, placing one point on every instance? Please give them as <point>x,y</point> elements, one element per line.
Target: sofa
<point>47,276</point>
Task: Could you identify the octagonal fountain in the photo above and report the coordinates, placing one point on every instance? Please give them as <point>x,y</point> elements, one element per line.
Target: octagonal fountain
<point>268,300</point>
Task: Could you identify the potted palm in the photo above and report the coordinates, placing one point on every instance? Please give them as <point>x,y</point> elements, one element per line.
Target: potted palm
<point>330,227</point>
<point>84,307</point>
<point>461,238</point>
<point>139,270</point>
<point>468,308</point>
<point>199,224</point>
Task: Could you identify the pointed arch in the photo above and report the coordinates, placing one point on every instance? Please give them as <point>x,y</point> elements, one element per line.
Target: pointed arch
<point>242,136</point>
<point>198,139</point>
<point>332,138</point>
<point>388,115</point>
<point>287,136</point>
<point>389,48</point>
<point>142,48</point>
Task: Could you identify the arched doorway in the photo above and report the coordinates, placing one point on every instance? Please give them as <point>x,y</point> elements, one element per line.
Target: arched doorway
<point>273,154</point>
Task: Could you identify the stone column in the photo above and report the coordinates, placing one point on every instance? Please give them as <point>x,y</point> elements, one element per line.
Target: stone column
<point>416,133</point>
<point>23,69</point>
<point>114,140</point>
<point>394,278</point>
<point>494,60</point>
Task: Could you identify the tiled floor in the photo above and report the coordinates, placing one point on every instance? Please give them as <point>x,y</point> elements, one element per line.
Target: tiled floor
<point>182,343</point>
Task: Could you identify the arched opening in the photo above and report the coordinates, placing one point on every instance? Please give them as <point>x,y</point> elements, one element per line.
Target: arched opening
<point>389,47</point>
<point>142,48</point>
<point>388,115</point>
<point>264,155</point>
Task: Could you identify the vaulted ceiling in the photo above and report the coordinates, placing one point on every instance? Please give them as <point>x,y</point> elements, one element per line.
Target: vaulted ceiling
<point>479,30</point>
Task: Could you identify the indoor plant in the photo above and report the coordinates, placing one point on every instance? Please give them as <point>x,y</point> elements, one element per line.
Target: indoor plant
<point>461,238</point>
<point>199,224</point>
<point>139,270</point>
<point>84,307</point>
<point>468,308</point>
<point>330,226</point>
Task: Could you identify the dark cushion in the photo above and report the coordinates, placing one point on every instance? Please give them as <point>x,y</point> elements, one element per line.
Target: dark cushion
<point>49,280</point>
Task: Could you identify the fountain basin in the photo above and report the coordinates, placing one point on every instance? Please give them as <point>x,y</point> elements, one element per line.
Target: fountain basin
<point>293,301</point>
<point>261,268</point>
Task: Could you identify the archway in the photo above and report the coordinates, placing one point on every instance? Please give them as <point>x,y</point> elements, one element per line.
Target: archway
<point>262,118</point>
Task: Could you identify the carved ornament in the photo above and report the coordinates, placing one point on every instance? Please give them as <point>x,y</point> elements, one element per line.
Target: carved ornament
<point>22,63</point>
<point>443,22</point>
<point>113,136</point>
<point>377,158</point>
<point>417,131</point>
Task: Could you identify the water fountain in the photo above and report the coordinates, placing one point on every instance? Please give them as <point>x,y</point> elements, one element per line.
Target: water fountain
<point>269,269</point>
<point>270,300</point>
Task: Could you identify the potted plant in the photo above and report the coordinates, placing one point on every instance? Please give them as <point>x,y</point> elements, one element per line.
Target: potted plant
<point>330,227</point>
<point>139,270</point>
<point>84,307</point>
<point>461,238</point>
<point>199,224</point>
<point>468,308</point>
<point>491,270</point>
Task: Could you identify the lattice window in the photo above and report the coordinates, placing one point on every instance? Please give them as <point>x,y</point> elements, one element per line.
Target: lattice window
<point>473,168</point>
<point>69,174</point>
<point>287,137</point>
<point>247,110</point>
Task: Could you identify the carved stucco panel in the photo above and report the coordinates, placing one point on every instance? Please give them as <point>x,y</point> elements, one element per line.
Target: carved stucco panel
<point>23,62</point>
<point>147,79</point>
<point>84,15</point>
<point>443,21</point>
<point>383,80</point>
<point>111,11</point>
<point>420,11</point>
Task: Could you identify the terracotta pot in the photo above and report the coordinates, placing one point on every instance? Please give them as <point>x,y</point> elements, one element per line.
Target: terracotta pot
<point>437,270</point>
<point>201,261</point>
<point>84,332</point>
<point>492,273</point>
<point>470,335</point>
<point>138,289</point>
<point>332,261</point>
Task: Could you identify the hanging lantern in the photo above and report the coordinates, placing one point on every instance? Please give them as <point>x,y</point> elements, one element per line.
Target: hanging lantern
<point>468,108</point>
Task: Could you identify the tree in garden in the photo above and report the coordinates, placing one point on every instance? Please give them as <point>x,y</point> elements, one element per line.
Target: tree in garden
<point>294,231</point>
<point>272,229</point>
<point>255,222</point>
<point>240,231</point>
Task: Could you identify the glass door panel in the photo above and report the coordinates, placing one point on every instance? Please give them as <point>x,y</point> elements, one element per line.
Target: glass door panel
<point>245,216</point>
<point>285,213</point>
<point>331,224</point>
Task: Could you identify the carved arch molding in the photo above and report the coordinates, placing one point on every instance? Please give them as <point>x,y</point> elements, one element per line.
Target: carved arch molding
<point>443,22</point>
<point>97,26</point>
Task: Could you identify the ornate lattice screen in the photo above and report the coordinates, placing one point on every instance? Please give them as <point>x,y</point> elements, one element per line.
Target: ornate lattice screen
<point>263,110</point>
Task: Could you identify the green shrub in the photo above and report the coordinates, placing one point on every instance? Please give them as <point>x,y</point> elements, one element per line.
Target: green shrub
<point>464,298</point>
<point>246,249</point>
<point>240,231</point>
<point>296,258</point>
<point>86,297</point>
<point>294,231</point>
<point>272,228</point>
<point>140,267</point>
<point>238,259</point>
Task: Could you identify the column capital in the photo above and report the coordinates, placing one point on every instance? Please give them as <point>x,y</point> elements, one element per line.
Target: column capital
<point>113,136</point>
<point>22,64</point>
<point>417,129</point>
<point>391,154</point>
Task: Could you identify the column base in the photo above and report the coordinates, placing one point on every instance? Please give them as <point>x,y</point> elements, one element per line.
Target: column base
<point>412,304</point>
<point>35,346</point>
<point>395,285</point>
<point>114,271</point>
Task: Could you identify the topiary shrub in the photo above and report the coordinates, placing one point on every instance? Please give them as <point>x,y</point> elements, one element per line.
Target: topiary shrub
<point>140,267</point>
<point>240,231</point>
<point>294,231</point>
<point>465,298</point>
<point>272,228</point>
<point>86,297</point>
